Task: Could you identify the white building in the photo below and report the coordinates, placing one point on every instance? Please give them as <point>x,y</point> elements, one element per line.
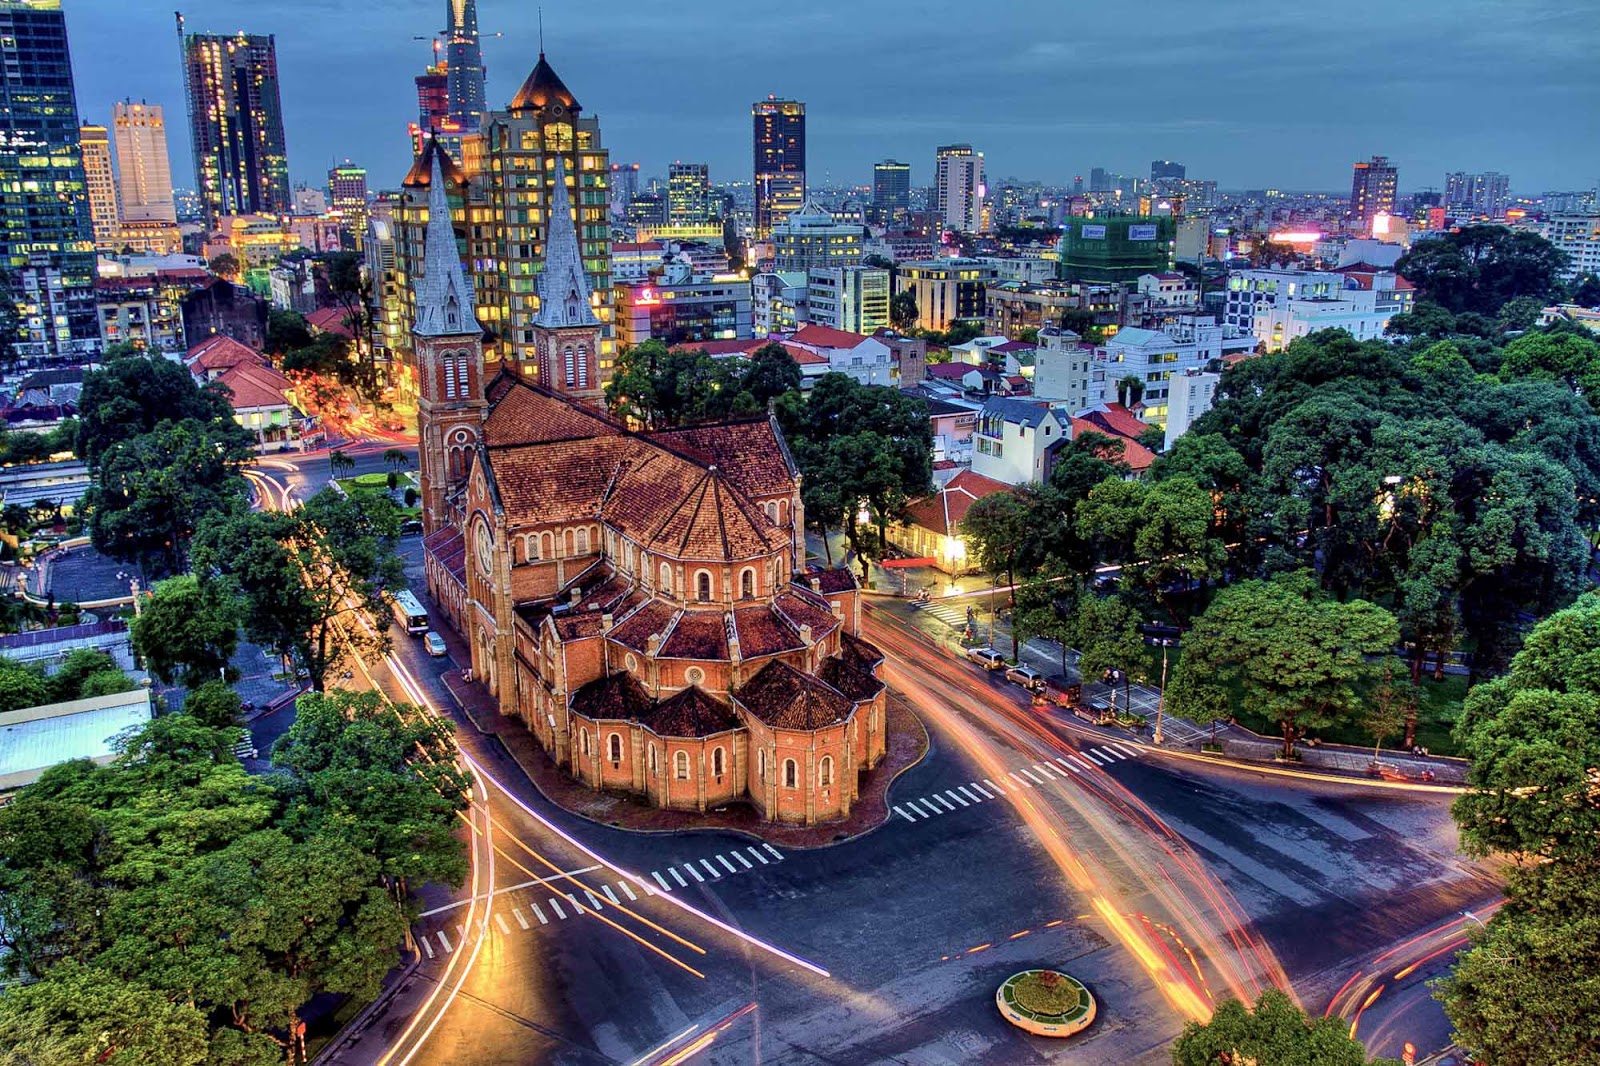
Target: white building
<point>811,237</point>
<point>867,359</point>
<point>1355,310</point>
<point>1061,368</point>
<point>976,351</point>
<point>1170,291</point>
<point>850,298</point>
<point>1155,356</point>
<point>1579,237</point>
<point>778,302</point>
<point>1189,395</point>
<point>1026,270</point>
<point>1251,289</point>
<point>1011,438</point>
<point>959,188</point>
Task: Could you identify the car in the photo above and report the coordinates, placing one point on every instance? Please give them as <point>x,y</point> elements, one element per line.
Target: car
<point>410,527</point>
<point>1027,677</point>
<point>987,658</point>
<point>435,644</point>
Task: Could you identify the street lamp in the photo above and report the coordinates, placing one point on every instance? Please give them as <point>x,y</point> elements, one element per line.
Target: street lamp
<point>1161,695</point>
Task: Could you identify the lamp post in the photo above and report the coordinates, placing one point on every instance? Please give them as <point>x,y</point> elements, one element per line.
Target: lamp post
<point>1161,696</point>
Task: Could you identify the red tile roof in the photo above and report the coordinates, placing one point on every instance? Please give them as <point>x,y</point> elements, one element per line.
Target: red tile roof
<point>835,579</point>
<point>1136,455</point>
<point>690,713</point>
<point>722,348</point>
<point>944,511</point>
<point>335,320</point>
<point>949,371</point>
<point>762,632</point>
<point>697,635</point>
<point>221,352</point>
<point>255,386</point>
<point>522,414</point>
<point>450,548</point>
<point>1116,419</point>
<point>617,697</point>
<point>751,454</point>
<point>827,337</point>
<point>784,698</point>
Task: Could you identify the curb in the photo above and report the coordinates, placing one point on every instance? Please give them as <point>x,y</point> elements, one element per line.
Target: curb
<point>1218,760</point>
<point>356,1026</point>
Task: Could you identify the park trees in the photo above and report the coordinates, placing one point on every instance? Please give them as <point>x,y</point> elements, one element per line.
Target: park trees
<point>305,576</point>
<point>1274,1031</point>
<point>1482,268</point>
<point>188,629</point>
<point>1284,652</point>
<point>657,388</point>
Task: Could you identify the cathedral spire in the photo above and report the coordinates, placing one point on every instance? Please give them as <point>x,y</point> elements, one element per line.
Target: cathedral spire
<point>444,298</point>
<point>563,286</point>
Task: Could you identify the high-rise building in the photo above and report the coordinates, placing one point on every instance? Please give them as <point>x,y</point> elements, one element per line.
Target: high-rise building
<point>1372,190</point>
<point>780,160</point>
<point>810,237</point>
<point>433,108</point>
<point>513,195</point>
<point>241,164</point>
<point>891,192</point>
<point>464,63</point>
<point>47,242</point>
<point>1485,195</point>
<point>1167,170</point>
<point>347,194</point>
<point>958,188</point>
<point>1100,180</point>
<point>101,184</point>
<point>689,201</point>
<point>144,170</point>
<point>852,298</point>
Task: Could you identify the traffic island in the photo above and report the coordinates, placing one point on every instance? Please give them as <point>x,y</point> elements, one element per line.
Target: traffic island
<point>1046,1003</point>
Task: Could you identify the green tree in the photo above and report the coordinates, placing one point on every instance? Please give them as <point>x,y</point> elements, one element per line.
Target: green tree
<point>224,266</point>
<point>127,397</point>
<point>1109,639</point>
<point>76,668</point>
<point>213,704</point>
<point>1568,358</point>
<point>286,332</point>
<point>340,462</point>
<point>188,629</point>
<point>80,1014</point>
<point>903,311</point>
<point>305,574</point>
<point>993,532</point>
<point>21,686</point>
<point>1274,1033</point>
<point>1482,268</point>
<point>770,373</point>
<point>1284,652</point>
<point>396,458</point>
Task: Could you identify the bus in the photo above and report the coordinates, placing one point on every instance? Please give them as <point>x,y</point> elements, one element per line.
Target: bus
<point>409,613</point>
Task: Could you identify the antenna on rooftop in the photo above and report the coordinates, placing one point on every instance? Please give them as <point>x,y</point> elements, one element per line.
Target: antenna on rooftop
<point>541,29</point>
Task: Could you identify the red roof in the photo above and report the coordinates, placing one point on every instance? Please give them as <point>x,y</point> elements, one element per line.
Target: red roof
<point>1117,420</point>
<point>827,337</point>
<point>944,511</point>
<point>220,353</point>
<point>1136,455</point>
<point>255,386</point>
<point>331,320</point>
<point>949,371</point>
<point>804,356</point>
<point>1015,346</point>
<point>640,246</point>
<point>735,347</point>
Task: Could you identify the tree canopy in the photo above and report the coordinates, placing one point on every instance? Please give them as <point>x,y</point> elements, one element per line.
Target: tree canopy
<point>658,387</point>
<point>1273,1033</point>
<point>1482,268</point>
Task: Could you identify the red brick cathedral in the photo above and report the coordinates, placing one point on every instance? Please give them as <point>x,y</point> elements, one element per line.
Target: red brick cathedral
<point>639,600</point>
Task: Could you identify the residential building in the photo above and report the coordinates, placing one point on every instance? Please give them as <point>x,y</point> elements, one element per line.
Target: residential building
<point>1583,317</point>
<point>293,285</point>
<point>891,192</point>
<point>850,298</point>
<point>1062,366</point>
<point>380,252</point>
<point>689,200</point>
<point>144,169</point>
<point>1169,292</point>
<point>1485,195</point>
<point>47,243</point>
<point>932,528</point>
<point>680,308</point>
<point>1372,191</point>
<point>907,355</point>
<point>778,302</point>
<point>1578,236</point>
<point>241,162</point>
<point>809,237</point>
<point>1354,310</point>
<point>347,194</point>
<point>146,309</point>
<point>959,188</point>
<point>869,360</point>
<point>1010,441</point>
<point>264,401</point>
<point>899,247</point>
<point>1116,249</point>
<point>1029,270</point>
<point>779,140</point>
<point>100,182</point>
<point>1138,363</point>
<point>1189,395</point>
<point>1012,306</point>
<point>223,308</point>
<point>1250,290</point>
<point>953,419</point>
<point>945,290</point>
<point>541,134</point>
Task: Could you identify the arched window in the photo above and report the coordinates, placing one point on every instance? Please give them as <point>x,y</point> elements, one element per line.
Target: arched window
<point>583,366</point>
<point>761,765</point>
<point>530,547</point>
<point>702,586</point>
<point>583,542</point>
<point>783,511</point>
<point>747,583</point>
<point>772,512</point>
<point>791,774</point>
<point>653,763</point>
<point>665,583</point>
<point>570,543</point>
<point>583,741</point>
<point>681,763</point>
<point>716,762</point>
<point>571,366</point>
<point>825,771</point>
<point>614,742</point>
<point>547,545</point>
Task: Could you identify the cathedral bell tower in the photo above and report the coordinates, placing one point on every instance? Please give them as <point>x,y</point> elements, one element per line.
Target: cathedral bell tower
<point>448,345</point>
<point>566,333</point>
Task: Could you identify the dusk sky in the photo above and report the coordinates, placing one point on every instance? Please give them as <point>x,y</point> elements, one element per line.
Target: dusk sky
<point>1245,93</point>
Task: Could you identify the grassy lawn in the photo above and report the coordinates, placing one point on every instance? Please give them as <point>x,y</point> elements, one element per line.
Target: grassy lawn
<point>378,483</point>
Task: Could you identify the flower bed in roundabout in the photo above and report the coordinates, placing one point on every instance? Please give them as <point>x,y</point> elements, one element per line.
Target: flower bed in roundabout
<point>1046,1003</point>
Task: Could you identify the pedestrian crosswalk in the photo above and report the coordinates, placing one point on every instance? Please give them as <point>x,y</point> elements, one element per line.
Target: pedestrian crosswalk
<point>1063,767</point>
<point>951,615</point>
<point>547,901</point>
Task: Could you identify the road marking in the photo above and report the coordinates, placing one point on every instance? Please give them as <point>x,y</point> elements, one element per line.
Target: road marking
<point>539,914</point>
<point>707,864</point>
<point>516,912</point>
<point>693,872</point>
<point>913,805</point>
<point>500,920</point>
<point>612,896</point>
<point>1020,779</point>
<point>1068,765</point>
<point>723,859</point>
<point>444,941</point>
<point>673,870</point>
<point>593,899</point>
<point>986,793</point>
<point>1087,754</point>
<point>776,854</point>
<point>762,859</point>
<point>742,859</point>
<point>1108,750</point>
<point>957,798</point>
<point>664,886</point>
<point>510,888</point>
<point>904,815</point>
<point>1054,768</point>
<point>426,946</point>
<point>576,906</point>
<point>998,790</point>
<point>970,795</point>
<point>1030,777</point>
<point>1135,752</point>
<point>627,891</point>
<point>555,905</point>
<point>946,804</point>
<point>1086,764</point>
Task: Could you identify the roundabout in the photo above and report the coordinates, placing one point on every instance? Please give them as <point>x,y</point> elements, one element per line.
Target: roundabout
<point>1046,1003</point>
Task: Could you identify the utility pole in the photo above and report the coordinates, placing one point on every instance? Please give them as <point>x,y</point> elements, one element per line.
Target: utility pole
<point>1161,696</point>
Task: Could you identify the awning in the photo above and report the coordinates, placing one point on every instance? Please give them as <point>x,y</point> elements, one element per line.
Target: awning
<point>890,564</point>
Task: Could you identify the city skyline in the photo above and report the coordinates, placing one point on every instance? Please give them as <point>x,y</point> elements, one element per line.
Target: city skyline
<point>1241,129</point>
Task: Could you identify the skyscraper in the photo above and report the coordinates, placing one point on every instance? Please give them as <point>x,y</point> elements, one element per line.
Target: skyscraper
<point>144,170</point>
<point>464,63</point>
<point>780,160</point>
<point>347,194</point>
<point>1372,190</point>
<point>891,192</point>
<point>689,194</point>
<point>1483,195</point>
<point>958,188</point>
<point>1167,170</point>
<point>101,184</point>
<point>241,164</point>
<point>47,243</point>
